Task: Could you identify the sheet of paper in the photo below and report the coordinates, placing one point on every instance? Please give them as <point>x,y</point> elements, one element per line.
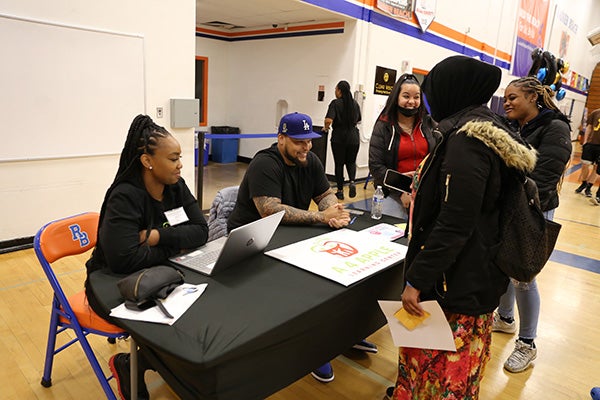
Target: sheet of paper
<point>386,231</point>
<point>176,303</point>
<point>344,256</point>
<point>433,333</point>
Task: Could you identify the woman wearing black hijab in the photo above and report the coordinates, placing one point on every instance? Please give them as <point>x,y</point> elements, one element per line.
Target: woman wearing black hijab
<point>455,229</point>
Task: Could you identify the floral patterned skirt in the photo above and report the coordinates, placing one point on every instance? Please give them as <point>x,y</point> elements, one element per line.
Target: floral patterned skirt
<point>425,374</point>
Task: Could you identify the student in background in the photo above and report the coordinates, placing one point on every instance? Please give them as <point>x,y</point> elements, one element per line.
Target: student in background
<point>343,114</point>
<point>529,105</point>
<point>402,137</point>
<point>147,216</point>
<point>288,176</point>
<point>455,227</point>
<point>590,155</point>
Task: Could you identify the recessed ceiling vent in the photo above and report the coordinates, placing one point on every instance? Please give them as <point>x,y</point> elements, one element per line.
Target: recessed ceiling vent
<point>221,24</point>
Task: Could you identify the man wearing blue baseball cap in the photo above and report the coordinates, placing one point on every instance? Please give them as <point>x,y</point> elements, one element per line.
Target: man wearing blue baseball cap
<point>288,176</point>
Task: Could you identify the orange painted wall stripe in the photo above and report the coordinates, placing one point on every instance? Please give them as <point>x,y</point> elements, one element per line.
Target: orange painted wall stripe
<point>463,38</point>
<point>299,28</point>
<point>420,71</point>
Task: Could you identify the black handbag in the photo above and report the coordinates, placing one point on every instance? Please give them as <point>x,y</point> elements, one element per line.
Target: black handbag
<point>144,289</point>
<point>527,238</point>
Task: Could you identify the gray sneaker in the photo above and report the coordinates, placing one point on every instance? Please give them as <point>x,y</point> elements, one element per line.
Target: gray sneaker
<point>595,200</point>
<point>521,357</point>
<point>500,325</point>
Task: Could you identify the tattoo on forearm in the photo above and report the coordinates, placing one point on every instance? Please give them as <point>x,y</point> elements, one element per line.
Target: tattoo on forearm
<point>271,205</point>
<point>326,200</point>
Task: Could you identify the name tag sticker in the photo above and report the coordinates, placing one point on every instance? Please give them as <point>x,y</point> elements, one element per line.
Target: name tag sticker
<point>176,216</point>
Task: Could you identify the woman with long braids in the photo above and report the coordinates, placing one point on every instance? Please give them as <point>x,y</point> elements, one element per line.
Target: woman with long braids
<point>528,104</point>
<point>147,216</point>
<point>343,114</point>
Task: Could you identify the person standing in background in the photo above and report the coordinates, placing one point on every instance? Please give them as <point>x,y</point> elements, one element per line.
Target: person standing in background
<point>343,114</point>
<point>590,155</point>
<point>528,104</point>
<point>402,137</point>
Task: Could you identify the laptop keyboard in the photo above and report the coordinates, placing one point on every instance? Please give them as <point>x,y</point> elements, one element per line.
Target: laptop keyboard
<point>203,260</point>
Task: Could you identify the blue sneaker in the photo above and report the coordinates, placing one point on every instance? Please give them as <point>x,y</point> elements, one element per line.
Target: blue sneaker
<point>324,373</point>
<point>365,346</point>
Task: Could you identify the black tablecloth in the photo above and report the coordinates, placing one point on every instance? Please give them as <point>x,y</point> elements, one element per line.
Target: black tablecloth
<point>259,326</point>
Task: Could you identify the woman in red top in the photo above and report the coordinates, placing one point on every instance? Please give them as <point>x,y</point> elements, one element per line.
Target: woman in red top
<point>402,137</point>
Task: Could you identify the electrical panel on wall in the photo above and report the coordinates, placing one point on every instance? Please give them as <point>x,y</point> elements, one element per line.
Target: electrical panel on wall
<point>185,113</point>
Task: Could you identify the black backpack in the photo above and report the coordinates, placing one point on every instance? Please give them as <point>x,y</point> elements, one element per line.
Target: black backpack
<point>527,238</point>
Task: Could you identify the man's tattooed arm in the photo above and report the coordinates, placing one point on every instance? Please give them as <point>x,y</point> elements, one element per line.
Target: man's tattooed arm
<point>270,205</point>
<point>326,200</point>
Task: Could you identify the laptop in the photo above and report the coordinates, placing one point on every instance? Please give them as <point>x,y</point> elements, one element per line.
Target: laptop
<point>222,253</point>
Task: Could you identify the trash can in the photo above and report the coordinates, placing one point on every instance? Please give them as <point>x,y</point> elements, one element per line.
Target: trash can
<point>224,150</point>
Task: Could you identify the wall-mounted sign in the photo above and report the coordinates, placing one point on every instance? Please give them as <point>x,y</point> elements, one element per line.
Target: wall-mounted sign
<point>425,12</point>
<point>321,93</point>
<point>384,80</point>
<point>397,8</point>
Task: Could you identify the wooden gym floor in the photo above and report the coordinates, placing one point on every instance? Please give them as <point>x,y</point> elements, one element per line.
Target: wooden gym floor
<point>568,335</point>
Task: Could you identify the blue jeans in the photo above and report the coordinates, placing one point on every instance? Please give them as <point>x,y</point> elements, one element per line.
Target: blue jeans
<point>528,301</point>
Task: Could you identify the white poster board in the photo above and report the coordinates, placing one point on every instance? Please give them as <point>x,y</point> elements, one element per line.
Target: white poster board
<point>344,256</point>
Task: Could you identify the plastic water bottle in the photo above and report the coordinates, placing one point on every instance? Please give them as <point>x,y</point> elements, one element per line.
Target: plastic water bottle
<point>377,204</point>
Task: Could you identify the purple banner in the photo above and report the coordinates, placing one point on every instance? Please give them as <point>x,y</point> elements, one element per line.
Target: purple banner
<point>522,59</point>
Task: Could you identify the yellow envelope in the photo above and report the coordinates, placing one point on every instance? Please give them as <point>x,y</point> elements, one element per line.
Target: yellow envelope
<point>410,321</point>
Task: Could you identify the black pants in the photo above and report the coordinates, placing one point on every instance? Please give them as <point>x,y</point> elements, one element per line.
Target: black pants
<point>344,154</point>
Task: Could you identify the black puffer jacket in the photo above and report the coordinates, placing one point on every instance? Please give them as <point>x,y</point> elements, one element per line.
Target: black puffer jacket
<point>383,147</point>
<point>550,134</point>
<point>455,226</point>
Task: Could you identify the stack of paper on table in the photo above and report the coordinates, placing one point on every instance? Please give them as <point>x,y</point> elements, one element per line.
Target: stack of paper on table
<point>344,256</point>
<point>386,231</point>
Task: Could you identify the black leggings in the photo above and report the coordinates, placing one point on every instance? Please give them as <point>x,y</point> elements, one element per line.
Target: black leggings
<point>344,154</point>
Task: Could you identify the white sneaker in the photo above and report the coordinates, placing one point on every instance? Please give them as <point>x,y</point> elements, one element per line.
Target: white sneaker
<point>499,325</point>
<point>521,357</point>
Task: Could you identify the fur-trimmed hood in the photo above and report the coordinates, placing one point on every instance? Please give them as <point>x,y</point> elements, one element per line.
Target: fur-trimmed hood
<point>515,154</point>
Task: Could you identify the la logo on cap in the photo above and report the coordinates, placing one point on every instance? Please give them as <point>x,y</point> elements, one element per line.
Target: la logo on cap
<point>306,125</point>
<point>284,129</point>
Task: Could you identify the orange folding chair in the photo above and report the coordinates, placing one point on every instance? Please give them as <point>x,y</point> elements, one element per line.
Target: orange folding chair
<point>58,239</point>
